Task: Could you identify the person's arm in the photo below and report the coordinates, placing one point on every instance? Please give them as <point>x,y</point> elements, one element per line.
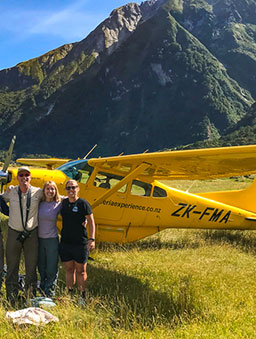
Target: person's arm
<point>40,194</point>
<point>6,195</point>
<point>91,226</point>
<point>4,208</point>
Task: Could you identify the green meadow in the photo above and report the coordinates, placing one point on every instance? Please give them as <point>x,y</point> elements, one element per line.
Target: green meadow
<point>175,284</point>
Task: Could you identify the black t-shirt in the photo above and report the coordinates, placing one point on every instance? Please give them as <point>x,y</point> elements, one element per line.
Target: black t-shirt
<point>3,206</point>
<point>73,216</point>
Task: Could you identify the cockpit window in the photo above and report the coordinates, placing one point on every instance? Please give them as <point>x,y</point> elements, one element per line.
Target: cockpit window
<point>159,192</point>
<point>141,188</point>
<point>78,170</point>
<point>108,180</point>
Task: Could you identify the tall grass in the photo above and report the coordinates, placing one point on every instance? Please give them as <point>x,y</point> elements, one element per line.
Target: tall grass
<point>175,284</point>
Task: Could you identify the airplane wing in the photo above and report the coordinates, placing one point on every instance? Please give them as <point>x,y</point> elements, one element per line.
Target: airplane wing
<point>49,163</point>
<point>186,164</point>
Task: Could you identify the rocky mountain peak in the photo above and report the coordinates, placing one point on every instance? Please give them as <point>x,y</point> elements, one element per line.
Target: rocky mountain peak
<point>121,23</point>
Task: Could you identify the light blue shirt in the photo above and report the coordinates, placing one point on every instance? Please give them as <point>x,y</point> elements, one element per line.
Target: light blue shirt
<point>47,216</point>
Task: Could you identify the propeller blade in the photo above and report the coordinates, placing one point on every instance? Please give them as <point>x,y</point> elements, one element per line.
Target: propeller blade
<point>9,155</point>
<point>4,176</point>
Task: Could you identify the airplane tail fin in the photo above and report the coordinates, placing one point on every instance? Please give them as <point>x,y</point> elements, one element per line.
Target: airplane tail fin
<point>244,199</point>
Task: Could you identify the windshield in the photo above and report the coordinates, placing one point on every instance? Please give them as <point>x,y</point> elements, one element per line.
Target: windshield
<point>78,170</point>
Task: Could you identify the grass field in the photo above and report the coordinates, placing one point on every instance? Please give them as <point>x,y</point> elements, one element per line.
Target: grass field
<point>175,284</point>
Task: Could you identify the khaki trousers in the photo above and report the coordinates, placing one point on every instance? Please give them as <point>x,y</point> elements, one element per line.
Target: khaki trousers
<point>13,254</point>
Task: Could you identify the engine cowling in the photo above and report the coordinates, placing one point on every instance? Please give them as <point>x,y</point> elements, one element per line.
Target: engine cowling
<point>4,177</point>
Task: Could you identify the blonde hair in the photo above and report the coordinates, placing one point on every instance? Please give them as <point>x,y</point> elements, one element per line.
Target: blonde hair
<point>57,195</point>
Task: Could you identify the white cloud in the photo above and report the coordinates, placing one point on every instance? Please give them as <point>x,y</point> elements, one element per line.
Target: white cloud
<point>33,27</point>
<point>71,23</point>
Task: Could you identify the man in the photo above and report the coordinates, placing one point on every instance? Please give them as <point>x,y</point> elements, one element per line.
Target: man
<point>5,210</point>
<point>22,233</point>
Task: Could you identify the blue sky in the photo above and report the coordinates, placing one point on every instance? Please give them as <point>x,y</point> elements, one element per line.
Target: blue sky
<point>29,28</point>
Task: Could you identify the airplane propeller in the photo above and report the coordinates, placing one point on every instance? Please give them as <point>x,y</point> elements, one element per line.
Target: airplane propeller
<point>4,175</point>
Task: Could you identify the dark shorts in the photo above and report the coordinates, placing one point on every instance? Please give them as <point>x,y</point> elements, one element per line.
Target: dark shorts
<point>69,252</point>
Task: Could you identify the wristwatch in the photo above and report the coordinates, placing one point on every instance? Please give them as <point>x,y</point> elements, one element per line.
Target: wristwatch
<point>92,239</point>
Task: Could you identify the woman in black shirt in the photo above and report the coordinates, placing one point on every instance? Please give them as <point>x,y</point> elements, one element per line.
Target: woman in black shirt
<point>74,245</point>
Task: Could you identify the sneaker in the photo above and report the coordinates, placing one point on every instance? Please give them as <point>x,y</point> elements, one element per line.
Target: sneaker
<point>81,302</point>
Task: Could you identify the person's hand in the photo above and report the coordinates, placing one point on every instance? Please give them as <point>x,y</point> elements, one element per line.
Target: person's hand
<point>91,244</point>
<point>9,188</point>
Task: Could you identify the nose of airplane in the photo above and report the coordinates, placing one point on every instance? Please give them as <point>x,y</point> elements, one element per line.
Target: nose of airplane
<point>3,179</point>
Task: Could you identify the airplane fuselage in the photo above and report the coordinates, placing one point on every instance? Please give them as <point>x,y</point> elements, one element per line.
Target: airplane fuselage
<point>139,208</point>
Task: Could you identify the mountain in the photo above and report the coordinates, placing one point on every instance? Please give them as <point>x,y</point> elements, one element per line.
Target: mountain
<point>151,76</point>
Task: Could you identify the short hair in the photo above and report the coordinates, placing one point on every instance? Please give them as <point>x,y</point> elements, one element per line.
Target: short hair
<point>57,195</point>
<point>23,169</point>
<point>72,180</point>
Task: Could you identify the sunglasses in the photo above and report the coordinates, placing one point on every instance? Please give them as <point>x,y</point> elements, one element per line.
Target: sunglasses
<point>71,188</point>
<point>24,175</point>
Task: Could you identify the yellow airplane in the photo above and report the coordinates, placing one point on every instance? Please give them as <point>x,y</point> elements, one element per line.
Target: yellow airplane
<point>129,202</point>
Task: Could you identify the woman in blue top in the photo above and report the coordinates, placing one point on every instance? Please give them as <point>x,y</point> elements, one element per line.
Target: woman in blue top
<point>48,238</point>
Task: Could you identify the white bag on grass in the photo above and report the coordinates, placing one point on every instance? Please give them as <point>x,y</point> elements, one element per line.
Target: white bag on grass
<point>31,315</point>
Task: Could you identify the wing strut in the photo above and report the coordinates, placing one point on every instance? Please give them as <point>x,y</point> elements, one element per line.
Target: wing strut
<point>85,157</point>
<point>121,183</point>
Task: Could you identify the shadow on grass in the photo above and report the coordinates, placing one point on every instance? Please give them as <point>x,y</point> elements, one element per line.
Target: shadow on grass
<point>152,244</point>
<point>245,240</point>
<point>131,303</point>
